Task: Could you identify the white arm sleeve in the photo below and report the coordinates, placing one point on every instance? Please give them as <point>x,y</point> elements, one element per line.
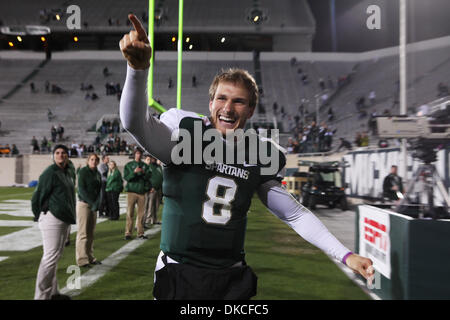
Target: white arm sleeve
<point>150,133</point>
<point>299,218</point>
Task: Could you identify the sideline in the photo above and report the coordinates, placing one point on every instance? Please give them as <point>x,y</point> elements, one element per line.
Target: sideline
<point>341,225</point>
<point>98,271</point>
<point>8,196</point>
<point>349,273</point>
<point>31,237</point>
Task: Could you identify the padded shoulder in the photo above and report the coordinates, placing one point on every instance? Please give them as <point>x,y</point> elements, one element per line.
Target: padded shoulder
<point>172,117</point>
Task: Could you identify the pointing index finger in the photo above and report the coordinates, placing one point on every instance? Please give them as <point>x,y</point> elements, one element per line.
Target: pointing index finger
<point>138,27</point>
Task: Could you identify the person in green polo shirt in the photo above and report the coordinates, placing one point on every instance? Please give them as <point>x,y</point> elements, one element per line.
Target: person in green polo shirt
<point>114,186</point>
<point>53,205</point>
<point>89,184</point>
<point>136,173</point>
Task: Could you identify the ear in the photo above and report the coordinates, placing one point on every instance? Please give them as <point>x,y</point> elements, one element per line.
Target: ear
<point>210,106</point>
<point>250,114</point>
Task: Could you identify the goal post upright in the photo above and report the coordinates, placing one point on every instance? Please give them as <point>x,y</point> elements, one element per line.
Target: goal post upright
<point>151,31</point>
<point>180,51</point>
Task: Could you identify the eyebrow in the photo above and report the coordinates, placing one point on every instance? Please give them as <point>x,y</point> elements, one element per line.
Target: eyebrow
<point>237,99</point>
<point>243,100</point>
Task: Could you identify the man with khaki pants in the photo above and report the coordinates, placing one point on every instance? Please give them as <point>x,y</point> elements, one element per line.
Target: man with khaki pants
<point>152,197</point>
<point>89,186</point>
<point>136,173</point>
<point>86,220</point>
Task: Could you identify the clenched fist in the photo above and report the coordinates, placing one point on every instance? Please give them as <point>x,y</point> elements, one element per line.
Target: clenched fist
<point>135,46</point>
<point>361,265</point>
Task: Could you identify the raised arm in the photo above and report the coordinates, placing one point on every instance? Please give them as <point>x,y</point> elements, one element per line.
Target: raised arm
<point>309,227</point>
<point>149,133</point>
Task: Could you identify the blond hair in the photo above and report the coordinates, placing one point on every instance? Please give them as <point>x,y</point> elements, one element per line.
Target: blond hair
<point>236,76</point>
<point>92,155</point>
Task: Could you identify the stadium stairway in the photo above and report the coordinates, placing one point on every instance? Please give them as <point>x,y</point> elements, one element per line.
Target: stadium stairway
<point>24,81</point>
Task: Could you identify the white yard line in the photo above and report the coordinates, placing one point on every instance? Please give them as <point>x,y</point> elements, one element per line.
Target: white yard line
<point>98,271</point>
<point>16,223</point>
<point>3,258</point>
<point>31,237</point>
<point>17,208</point>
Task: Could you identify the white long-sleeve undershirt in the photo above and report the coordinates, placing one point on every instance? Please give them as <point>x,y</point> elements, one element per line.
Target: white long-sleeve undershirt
<point>150,133</point>
<point>303,221</point>
<point>155,137</point>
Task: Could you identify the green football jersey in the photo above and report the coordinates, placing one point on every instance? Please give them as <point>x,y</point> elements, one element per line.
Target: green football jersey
<point>205,206</point>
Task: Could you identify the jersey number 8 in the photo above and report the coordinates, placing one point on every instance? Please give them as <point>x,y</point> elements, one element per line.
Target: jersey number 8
<point>221,192</point>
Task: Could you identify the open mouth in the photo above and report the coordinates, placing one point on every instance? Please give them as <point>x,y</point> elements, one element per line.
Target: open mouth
<point>227,120</point>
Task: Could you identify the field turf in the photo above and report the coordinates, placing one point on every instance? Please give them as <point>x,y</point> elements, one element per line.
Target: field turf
<point>287,267</point>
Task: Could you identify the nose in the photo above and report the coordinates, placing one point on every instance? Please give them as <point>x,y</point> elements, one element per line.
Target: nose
<point>228,107</point>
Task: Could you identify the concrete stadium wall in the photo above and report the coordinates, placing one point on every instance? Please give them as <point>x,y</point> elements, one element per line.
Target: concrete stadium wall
<point>24,169</point>
<point>356,57</point>
<point>7,171</point>
<point>116,55</point>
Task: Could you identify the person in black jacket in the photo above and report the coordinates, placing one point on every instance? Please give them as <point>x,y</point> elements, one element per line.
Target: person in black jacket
<point>344,144</point>
<point>392,184</point>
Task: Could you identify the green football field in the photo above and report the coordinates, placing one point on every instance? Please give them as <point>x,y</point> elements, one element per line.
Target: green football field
<point>287,267</point>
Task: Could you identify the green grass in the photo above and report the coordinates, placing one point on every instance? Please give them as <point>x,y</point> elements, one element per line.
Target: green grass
<point>16,193</point>
<point>131,279</point>
<point>6,230</point>
<point>10,217</point>
<point>287,266</point>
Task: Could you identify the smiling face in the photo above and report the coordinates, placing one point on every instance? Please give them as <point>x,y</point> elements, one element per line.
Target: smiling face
<point>230,106</point>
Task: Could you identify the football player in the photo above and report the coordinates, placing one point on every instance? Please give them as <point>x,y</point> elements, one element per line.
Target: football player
<point>205,209</point>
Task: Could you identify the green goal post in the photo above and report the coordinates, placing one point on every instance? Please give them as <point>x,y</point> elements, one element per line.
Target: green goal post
<point>151,31</point>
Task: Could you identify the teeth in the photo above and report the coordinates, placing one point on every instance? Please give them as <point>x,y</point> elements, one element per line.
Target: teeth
<point>226,119</point>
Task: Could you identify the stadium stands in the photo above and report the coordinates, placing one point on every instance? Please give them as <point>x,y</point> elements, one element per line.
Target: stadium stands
<point>426,69</point>
<point>14,73</point>
<point>24,114</point>
<point>281,82</point>
<point>288,15</point>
